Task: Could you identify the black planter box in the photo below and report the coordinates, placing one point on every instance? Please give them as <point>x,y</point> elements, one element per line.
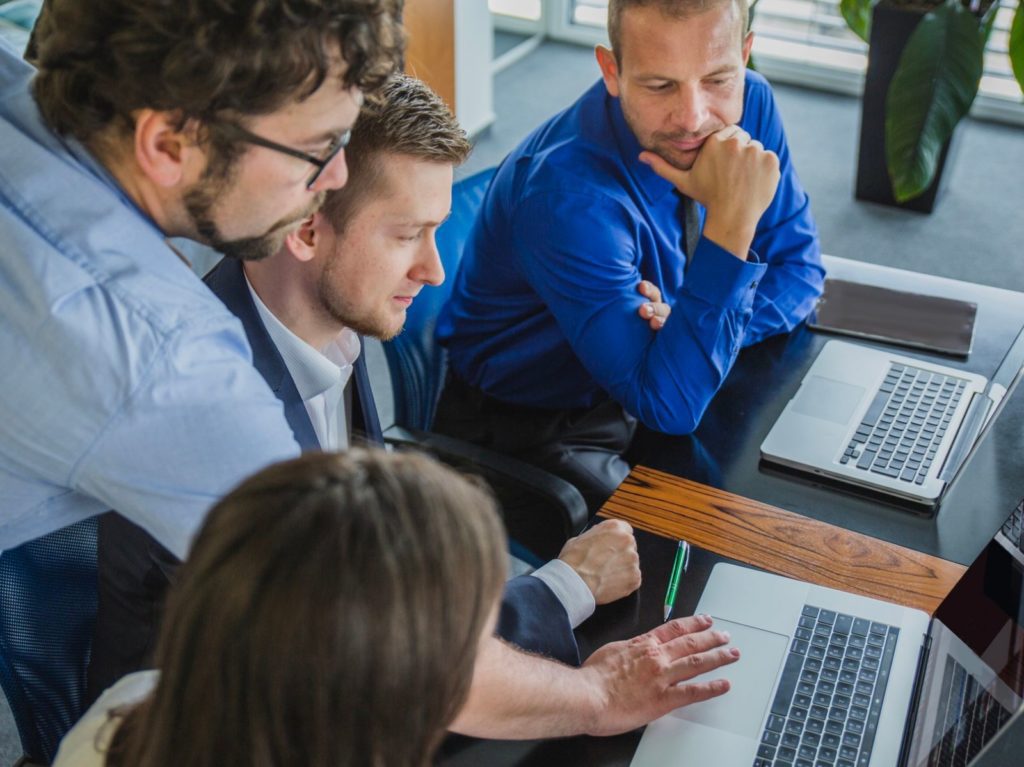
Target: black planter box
<point>890,30</point>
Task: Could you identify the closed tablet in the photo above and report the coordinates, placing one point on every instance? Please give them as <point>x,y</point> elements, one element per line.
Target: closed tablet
<point>894,316</point>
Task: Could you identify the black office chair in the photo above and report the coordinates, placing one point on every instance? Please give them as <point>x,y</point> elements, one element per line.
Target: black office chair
<point>552,509</point>
<point>47,612</point>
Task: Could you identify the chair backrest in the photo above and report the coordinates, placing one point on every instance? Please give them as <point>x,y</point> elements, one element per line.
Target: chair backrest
<point>47,612</point>
<point>416,362</point>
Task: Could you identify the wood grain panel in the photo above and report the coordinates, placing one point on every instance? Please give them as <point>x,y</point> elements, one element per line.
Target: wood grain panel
<point>780,541</point>
<point>430,55</point>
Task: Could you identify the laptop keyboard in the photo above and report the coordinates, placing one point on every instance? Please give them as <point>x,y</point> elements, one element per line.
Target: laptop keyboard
<point>1013,527</point>
<point>904,426</point>
<point>826,708</point>
<point>968,718</point>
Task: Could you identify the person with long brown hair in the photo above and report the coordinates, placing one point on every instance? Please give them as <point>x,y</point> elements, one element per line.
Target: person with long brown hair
<point>330,613</point>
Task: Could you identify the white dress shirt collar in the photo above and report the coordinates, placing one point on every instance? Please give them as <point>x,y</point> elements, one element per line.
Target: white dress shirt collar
<point>319,375</point>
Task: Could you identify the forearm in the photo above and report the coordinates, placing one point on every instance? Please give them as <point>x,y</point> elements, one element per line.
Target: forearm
<point>795,276</point>
<point>519,696</point>
<point>785,303</point>
<point>622,686</point>
<point>669,385</point>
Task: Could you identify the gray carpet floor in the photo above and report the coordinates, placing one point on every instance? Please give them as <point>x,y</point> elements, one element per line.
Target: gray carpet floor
<point>976,232</point>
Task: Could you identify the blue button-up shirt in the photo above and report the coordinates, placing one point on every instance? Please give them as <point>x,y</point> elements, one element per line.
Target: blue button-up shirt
<point>544,307</point>
<point>125,382</point>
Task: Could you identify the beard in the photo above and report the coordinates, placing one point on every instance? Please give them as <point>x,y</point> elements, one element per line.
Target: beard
<point>660,142</point>
<point>199,203</point>
<point>338,309</point>
<point>661,145</point>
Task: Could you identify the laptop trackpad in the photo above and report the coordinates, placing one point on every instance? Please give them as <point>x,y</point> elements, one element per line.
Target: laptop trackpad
<point>743,708</point>
<point>831,400</point>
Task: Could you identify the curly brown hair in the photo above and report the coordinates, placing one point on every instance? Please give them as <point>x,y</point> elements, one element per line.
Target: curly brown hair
<point>100,61</point>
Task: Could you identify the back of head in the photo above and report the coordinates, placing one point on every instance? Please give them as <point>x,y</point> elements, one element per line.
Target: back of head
<point>100,61</point>
<point>673,9</point>
<point>405,117</point>
<point>329,614</point>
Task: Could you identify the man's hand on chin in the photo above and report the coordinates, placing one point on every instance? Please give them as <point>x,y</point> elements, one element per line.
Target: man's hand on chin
<point>734,177</point>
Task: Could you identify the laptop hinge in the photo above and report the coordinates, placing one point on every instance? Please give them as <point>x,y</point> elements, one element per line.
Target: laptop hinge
<point>974,421</point>
<point>915,696</point>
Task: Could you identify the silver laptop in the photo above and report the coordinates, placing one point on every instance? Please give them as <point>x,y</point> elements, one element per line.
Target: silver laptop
<point>831,678</point>
<point>884,421</point>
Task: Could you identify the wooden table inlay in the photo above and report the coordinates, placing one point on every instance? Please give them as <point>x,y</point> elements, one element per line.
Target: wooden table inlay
<point>780,541</point>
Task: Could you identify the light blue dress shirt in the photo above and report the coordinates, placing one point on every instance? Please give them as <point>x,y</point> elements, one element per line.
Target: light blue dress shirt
<point>126,383</point>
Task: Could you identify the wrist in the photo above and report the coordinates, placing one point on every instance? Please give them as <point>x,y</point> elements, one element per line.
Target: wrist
<point>595,702</point>
<point>735,237</point>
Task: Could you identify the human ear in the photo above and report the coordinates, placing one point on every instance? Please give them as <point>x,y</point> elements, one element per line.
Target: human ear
<point>302,242</point>
<point>163,149</point>
<point>748,44</point>
<point>609,69</point>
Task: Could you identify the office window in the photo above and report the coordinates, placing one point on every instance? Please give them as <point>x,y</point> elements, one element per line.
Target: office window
<point>519,27</point>
<point>806,42</point>
<point>524,10</point>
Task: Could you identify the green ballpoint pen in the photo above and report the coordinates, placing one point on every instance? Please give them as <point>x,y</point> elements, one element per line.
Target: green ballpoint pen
<point>680,564</point>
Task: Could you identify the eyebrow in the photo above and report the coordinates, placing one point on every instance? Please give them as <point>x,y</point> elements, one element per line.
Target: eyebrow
<point>397,221</point>
<point>720,71</point>
<point>723,70</point>
<point>324,138</point>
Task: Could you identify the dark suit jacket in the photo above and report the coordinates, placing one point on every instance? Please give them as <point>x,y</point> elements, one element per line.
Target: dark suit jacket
<point>531,616</point>
<point>135,570</point>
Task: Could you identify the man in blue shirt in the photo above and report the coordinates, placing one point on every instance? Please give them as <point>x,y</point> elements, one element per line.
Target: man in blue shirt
<point>673,170</point>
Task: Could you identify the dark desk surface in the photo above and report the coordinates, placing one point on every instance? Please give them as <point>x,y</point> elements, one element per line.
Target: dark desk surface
<point>724,453</point>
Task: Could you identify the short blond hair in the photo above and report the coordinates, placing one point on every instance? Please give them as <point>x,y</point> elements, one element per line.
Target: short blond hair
<point>404,118</point>
<point>675,9</point>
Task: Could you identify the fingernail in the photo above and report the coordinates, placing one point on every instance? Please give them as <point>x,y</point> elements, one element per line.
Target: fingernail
<point>734,652</point>
<point>725,636</point>
<point>648,310</point>
<point>660,322</point>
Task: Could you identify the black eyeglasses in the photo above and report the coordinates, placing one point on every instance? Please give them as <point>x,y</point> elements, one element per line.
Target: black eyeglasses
<point>336,146</point>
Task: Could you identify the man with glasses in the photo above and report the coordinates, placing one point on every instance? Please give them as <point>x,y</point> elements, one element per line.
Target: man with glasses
<point>352,270</point>
<point>338,143</point>
<point>127,384</point>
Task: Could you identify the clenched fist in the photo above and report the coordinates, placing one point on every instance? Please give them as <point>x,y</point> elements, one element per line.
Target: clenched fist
<point>606,559</point>
<point>734,177</point>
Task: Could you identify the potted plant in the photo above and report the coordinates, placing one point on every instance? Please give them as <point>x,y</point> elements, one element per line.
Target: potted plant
<point>924,69</point>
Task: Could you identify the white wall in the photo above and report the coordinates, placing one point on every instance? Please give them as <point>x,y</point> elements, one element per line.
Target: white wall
<point>474,49</point>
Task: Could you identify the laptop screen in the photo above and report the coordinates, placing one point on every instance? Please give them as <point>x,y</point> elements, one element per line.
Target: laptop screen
<point>973,682</point>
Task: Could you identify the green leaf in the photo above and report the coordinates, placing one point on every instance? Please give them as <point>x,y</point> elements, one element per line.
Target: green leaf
<point>858,16</point>
<point>1017,44</point>
<point>933,88</point>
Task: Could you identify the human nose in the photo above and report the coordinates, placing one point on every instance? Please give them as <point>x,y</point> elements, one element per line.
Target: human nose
<point>690,112</point>
<point>429,269</point>
<point>333,176</point>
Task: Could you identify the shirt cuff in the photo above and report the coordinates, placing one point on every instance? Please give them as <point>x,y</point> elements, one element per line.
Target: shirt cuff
<point>569,589</point>
<point>717,276</point>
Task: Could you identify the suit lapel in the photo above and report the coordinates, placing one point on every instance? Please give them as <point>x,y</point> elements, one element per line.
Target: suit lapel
<point>365,421</point>
<point>227,280</point>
